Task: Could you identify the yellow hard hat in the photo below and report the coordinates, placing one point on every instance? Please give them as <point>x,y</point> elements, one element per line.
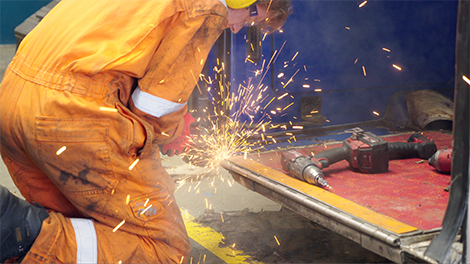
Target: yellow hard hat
<point>239,4</point>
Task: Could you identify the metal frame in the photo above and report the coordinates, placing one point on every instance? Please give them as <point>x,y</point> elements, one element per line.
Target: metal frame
<point>400,248</point>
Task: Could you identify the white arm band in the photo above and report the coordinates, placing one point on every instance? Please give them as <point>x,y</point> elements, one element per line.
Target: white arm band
<point>154,105</point>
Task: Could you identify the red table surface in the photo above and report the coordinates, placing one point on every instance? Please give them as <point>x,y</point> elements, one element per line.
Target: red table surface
<point>411,191</point>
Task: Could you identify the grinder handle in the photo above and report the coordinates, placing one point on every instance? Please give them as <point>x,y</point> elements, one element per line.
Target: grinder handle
<point>330,156</point>
<point>402,150</point>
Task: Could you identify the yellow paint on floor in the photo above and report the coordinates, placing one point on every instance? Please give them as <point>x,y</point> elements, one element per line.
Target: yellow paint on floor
<point>210,239</point>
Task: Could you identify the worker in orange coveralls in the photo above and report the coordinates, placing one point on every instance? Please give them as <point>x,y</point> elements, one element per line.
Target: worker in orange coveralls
<point>92,92</point>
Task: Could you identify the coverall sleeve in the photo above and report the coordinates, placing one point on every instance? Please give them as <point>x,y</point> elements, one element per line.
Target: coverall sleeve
<point>162,94</point>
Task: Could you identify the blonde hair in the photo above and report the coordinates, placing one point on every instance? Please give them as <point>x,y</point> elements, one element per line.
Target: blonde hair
<point>278,11</point>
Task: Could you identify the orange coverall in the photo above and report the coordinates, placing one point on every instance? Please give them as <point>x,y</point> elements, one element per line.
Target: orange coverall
<point>109,81</point>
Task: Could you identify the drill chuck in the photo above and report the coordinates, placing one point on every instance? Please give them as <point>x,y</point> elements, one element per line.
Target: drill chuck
<point>303,168</point>
<point>312,174</point>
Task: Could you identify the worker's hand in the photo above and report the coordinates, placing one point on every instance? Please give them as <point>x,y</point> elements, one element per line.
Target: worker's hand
<point>182,143</point>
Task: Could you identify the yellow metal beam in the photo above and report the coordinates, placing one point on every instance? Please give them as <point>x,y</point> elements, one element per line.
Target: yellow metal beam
<point>332,199</point>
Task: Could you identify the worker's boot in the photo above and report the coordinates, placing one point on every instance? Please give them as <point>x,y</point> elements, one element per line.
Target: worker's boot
<point>20,223</point>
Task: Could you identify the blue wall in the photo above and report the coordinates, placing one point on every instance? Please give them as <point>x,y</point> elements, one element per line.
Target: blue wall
<point>331,35</point>
<point>13,13</point>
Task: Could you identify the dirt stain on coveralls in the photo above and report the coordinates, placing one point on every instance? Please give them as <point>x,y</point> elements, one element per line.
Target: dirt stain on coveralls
<point>82,176</point>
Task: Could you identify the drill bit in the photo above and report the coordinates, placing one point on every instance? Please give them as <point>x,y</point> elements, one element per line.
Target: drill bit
<point>312,174</point>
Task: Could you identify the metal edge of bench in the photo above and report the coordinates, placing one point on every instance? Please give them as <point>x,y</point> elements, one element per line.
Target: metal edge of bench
<point>379,240</point>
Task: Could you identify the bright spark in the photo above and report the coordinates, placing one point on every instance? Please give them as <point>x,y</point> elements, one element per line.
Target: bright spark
<point>133,164</point>
<point>387,50</point>
<point>119,225</point>
<point>107,109</point>
<point>145,210</point>
<point>233,120</point>
<point>396,67</point>
<point>376,113</point>
<point>293,58</point>
<point>364,70</point>
<point>282,96</point>
<point>62,149</point>
<point>277,241</point>
<point>289,105</point>
<point>465,78</point>
<point>363,4</point>
<point>264,36</point>
<point>306,86</point>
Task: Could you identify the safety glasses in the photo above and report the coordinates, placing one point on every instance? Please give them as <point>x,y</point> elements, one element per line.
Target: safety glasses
<point>253,10</point>
<point>251,21</point>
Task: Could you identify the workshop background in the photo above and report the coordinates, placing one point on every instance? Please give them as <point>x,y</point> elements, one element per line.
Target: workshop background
<point>348,61</point>
<point>239,225</point>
